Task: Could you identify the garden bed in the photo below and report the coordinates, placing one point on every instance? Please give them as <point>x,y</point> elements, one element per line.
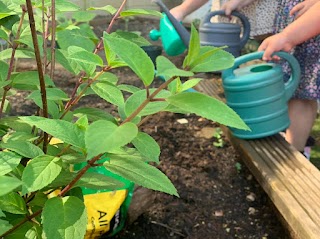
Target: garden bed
<point>219,198</point>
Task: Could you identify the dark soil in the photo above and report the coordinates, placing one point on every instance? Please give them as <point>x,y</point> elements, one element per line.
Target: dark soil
<point>219,198</point>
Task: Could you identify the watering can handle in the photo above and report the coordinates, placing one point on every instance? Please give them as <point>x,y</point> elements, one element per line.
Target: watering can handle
<point>290,85</point>
<point>244,20</point>
<point>181,30</point>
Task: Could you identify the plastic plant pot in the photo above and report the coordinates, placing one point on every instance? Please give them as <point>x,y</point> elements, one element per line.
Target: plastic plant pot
<point>153,52</point>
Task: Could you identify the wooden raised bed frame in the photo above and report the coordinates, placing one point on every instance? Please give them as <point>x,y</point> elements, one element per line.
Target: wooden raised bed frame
<point>289,179</point>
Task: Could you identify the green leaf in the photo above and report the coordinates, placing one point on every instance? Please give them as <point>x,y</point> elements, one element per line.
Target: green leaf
<point>128,88</point>
<point>3,35</point>
<point>133,55</point>
<point>66,6</point>
<point>75,37</point>
<point>103,136</point>
<point>142,173</point>
<point>207,107</point>
<point>108,92</point>
<point>126,153</point>
<point>5,83</point>
<point>52,94</point>
<point>9,21</point>
<point>73,158</point>
<point>166,69</point>
<point>93,114</point>
<point>175,85</point>
<point>83,122</point>
<point>19,136</point>
<point>190,83</point>
<point>15,123</point>
<point>135,100</point>
<point>108,77</point>
<point>210,59</point>
<point>8,184</point>
<point>174,109</point>
<point>40,172</point>
<point>136,12</point>
<point>83,16</point>
<point>98,181</point>
<point>8,162</point>
<point>64,218</point>
<point>53,108</point>
<point>194,47</point>
<point>24,148</point>
<point>21,231</point>
<point>4,67</point>
<point>30,78</point>
<point>86,60</point>
<point>82,56</point>
<point>131,36</point>
<point>4,11</point>
<point>123,115</point>
<point>20,53</point>
<point>26,39</point>
<point>68,64</point>
<point>63,130</point>
<point>63,179</point>
<point>110,9</point>
<point>4,226</point>
<point>147,146</point>
<point>39,199</point>
<point>33,233</point>
<point>13,203</point>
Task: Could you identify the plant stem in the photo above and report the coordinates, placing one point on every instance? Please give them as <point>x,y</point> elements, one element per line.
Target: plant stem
<point>53,38</point>
<point>116,15</point>
<point>39,67</point>
<point>76,100</point>
<point>90,163</point>
<point>148,100</point>
<point>12,58</point>
<point>45,30</point>
<point>15,227</point>
<point>114,18</point>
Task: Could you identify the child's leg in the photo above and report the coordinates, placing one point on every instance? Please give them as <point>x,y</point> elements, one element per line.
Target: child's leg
<point>302,114</point>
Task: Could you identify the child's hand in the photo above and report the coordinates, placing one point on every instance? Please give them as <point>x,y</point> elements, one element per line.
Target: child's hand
<point>302,7</point>
<point>232,5</point>
<point>270,45</point>
<point>177,13</point>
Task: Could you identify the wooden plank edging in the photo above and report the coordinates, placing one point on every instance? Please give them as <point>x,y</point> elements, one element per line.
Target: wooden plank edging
<point>290,180</point>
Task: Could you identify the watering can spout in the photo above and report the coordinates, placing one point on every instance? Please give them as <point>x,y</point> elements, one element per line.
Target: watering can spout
<point>154,35</point>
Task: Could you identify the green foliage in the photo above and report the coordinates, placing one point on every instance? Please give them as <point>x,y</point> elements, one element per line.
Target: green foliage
<point>40,152</point>
<point>69,220</point>
<point>219,140</point>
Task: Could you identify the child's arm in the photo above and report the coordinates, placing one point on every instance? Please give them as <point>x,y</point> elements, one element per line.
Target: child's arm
<point>302,29</point>
<point>185,8</point>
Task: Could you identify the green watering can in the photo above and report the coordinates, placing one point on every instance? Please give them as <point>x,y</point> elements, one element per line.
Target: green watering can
<point>175,37</point>
<point>259,94</point>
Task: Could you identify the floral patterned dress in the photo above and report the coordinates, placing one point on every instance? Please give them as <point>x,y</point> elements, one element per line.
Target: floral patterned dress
<point>307,53</point>
<point>260,14</point>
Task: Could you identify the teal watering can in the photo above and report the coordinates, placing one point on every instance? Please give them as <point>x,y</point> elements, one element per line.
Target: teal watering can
<point>228,34</point>
<point>175,37</point>
<point>259,94</point>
